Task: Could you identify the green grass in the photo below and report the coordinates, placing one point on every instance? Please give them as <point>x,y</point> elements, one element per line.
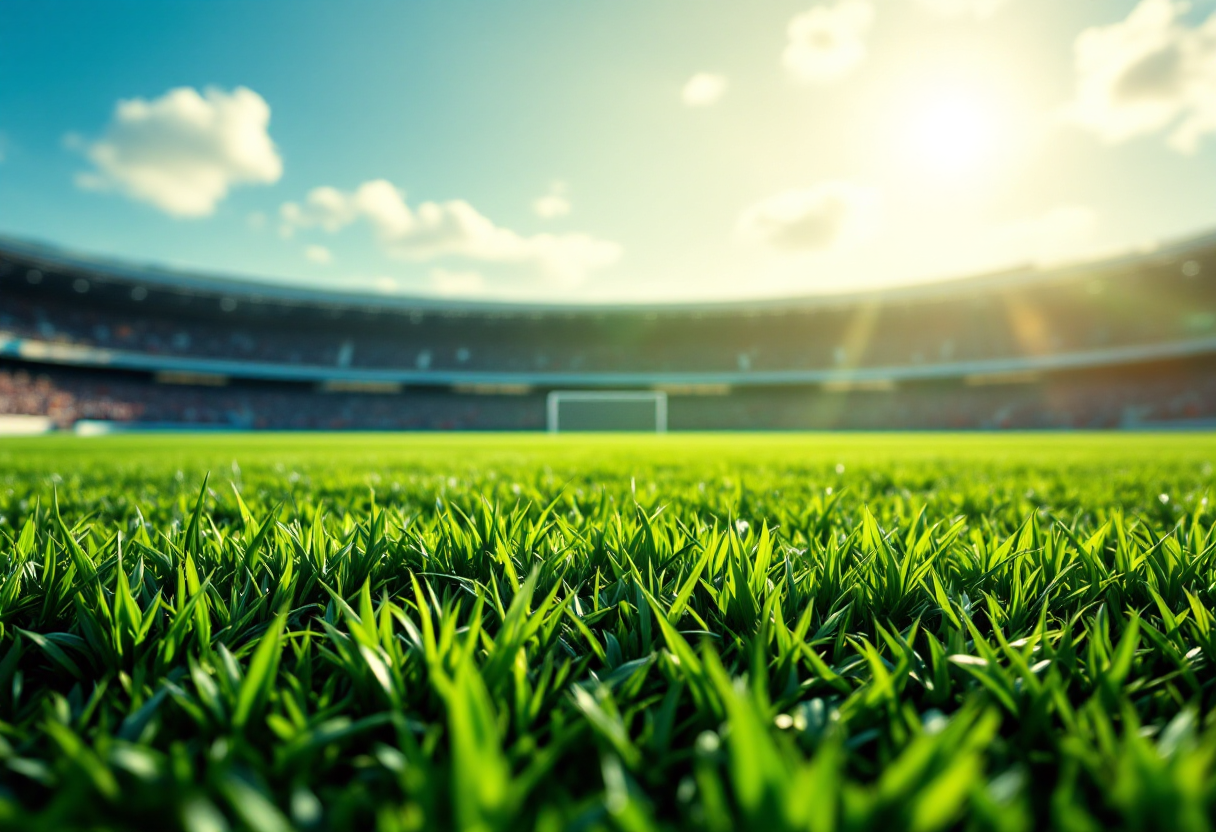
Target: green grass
<point>806,632</point>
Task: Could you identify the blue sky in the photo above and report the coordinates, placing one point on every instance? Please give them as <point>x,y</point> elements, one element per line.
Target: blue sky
<point>585,151</point>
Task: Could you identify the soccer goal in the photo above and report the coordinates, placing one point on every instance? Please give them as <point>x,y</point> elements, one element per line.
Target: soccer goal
<point>607,410</point>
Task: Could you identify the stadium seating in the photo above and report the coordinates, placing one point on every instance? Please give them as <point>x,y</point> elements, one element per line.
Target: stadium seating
<point>1116,342</point>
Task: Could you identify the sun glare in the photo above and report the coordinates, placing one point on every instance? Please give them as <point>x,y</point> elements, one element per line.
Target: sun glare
<point>954,134</point>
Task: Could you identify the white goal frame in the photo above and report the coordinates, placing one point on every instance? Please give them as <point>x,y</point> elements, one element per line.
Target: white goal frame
<point>556,397</point>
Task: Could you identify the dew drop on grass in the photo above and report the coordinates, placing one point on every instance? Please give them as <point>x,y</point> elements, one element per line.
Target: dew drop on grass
<point>305,807</point>
<point>1005,787</point>
<point>934,721</point>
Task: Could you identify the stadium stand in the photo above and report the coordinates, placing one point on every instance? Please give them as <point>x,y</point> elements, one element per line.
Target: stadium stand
<point>1127,341</point>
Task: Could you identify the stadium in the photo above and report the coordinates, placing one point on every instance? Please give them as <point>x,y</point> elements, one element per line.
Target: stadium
<point>538,416</point>
<point>1125,342</point>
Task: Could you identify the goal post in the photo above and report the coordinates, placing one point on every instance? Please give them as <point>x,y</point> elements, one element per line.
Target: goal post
<point>607,410</point>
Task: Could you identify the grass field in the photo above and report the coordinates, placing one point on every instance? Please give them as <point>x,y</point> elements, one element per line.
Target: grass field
<point>806,632</point>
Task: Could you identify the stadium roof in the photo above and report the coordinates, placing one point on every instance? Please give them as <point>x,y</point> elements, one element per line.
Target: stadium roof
<point>263,290</point>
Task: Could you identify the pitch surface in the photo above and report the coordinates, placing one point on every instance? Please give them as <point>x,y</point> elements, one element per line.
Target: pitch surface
<point>500,632</point>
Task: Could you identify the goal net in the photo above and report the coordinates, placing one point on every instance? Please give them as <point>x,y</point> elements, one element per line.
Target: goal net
<point>603,410</point>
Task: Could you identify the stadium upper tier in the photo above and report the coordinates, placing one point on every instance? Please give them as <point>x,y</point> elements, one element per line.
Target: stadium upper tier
<point>62,309</point>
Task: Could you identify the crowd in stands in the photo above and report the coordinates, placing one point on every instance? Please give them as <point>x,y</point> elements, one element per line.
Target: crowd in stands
<point>67,396</point>
<point>1172,393</point>
<point>1095,400</point>
<point>41,395</point>
<point>72,320</point>
<point>1106,306</point>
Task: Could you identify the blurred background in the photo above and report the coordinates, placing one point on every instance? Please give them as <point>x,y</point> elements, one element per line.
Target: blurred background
<point>853,214</point>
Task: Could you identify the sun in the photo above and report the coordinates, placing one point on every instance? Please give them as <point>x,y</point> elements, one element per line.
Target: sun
<point>954,134</point>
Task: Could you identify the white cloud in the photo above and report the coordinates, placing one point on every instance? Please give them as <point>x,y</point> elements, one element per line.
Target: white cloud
<point>1060,233</point>
<point>553,204</point>
<point>319,254</point>
<point>962,8</point>
<point>386,285</point>
<point>1148,73</point>
<point>456,283</point>
<point>433,230</point>
<point>183,151</point>
<point>972,245</point>
<point>824,217</point>
<point>703,89</point>
<point>827,42</point>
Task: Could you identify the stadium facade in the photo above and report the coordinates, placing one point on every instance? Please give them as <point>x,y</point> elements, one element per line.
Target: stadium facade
<point>1123,342</point>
